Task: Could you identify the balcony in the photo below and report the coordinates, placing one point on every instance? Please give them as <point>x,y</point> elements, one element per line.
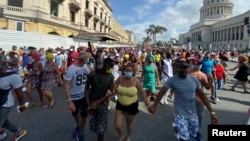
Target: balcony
<point>34,15</point>
<point>74,5</point>
<point>96,18</point>
<point>102,22</point>
<point>88,13</point>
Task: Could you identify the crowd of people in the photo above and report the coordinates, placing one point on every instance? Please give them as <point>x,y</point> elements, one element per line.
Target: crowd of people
<point>91,76</point>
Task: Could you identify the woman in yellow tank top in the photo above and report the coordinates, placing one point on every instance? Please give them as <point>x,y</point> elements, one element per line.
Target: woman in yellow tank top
<point>127,88</point>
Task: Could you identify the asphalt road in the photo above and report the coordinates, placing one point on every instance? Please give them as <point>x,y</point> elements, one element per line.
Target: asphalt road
<point>57,124</point>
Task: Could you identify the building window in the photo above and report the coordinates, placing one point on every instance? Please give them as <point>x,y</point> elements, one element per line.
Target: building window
<point>19,26</point>
<point>54,8</point>
<point>237,36</point>
<point>94,26</point>
<point>95,11</point>
<point>100,28</point>
<point>241,35</point>
<point>72,16</point>
<point>87,23</point>
<point>101,15</point>
<point>218,11</point>
<point>16,3</point>
<point>87,4</point>
<point>212,1</point>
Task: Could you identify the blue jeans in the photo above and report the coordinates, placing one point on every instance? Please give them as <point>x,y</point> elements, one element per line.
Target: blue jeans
<point>218,86</point>
<point>4,121</point>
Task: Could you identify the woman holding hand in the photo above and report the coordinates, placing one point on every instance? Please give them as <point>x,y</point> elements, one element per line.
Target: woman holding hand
<point>127,88</point>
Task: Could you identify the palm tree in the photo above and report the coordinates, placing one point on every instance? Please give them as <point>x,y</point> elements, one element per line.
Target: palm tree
<point>146,40</point>
<point>159,43</point>
<point>153,30</point>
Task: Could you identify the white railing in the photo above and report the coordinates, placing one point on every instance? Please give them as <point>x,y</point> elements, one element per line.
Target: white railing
<point>16,9</point>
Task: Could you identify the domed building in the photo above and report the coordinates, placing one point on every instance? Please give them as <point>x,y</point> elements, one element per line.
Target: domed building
<point>218,29</point>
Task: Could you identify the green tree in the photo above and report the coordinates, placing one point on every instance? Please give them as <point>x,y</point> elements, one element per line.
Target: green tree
<point>159,43</point>
<point>153,30</point>
<point>146,40</point>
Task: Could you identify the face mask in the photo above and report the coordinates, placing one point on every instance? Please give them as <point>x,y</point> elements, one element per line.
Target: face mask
<point>128,74</point>
<point>183,74</point>
<point>87,61</point>
<point>216,63</point>
<point>71,49</point>
<point>58,52</point>
<point>109,71</point>
<point>99,66</point>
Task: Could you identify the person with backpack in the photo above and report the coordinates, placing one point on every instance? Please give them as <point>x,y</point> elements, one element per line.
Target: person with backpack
<point>9,81</point>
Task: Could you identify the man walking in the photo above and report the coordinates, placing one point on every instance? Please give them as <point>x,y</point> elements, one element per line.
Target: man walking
<point>75,81</point>
<point>9,81</point>
<point>185,87</point>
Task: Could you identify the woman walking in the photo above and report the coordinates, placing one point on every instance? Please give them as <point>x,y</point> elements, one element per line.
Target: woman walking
<point>50,72</point>
<point>149,77</point>
<point>242,73</point>
<point>33,75</point>
<point>127,87</point>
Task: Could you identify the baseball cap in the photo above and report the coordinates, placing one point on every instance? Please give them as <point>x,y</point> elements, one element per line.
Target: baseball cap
<point>50,56</point>
<point>31,48</point>
<point>36,56</point>
<point>183,64</point>
<point>217,60</point>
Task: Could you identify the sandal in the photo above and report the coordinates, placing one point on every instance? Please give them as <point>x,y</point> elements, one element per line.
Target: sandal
<point>246,92</point>
<point>46,106</point>
<point>52,104</point>
<point>232,89</point>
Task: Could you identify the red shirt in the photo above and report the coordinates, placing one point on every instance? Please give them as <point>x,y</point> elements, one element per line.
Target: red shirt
<point>219,71</point>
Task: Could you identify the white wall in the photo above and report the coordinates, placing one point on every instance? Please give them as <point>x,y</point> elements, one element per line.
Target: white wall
<point>9,38</point>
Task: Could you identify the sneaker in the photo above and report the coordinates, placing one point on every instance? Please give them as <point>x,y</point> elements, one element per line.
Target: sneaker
<point>217,99</point>
<point>20,134</point>
<point>80,138</point>
<point>3,136</point>
<point>76,133</point>
<point>166,102</point>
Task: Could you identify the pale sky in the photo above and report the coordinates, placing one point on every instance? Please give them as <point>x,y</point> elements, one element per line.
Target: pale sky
<point>176,15</point>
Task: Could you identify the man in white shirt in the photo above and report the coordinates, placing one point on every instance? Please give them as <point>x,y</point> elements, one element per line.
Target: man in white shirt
<point>116,69</point>
<point>9,81</point>
<point>166,73</point>
<point>75,81</point>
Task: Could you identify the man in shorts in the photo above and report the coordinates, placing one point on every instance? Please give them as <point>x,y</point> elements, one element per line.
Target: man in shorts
<point>75,81</point>
<point>185,87</point>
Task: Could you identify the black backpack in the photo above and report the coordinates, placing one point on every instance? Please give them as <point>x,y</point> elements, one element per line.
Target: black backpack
<point>4,93</point>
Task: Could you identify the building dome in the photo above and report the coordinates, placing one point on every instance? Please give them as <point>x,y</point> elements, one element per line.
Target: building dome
<point>216,9</point>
